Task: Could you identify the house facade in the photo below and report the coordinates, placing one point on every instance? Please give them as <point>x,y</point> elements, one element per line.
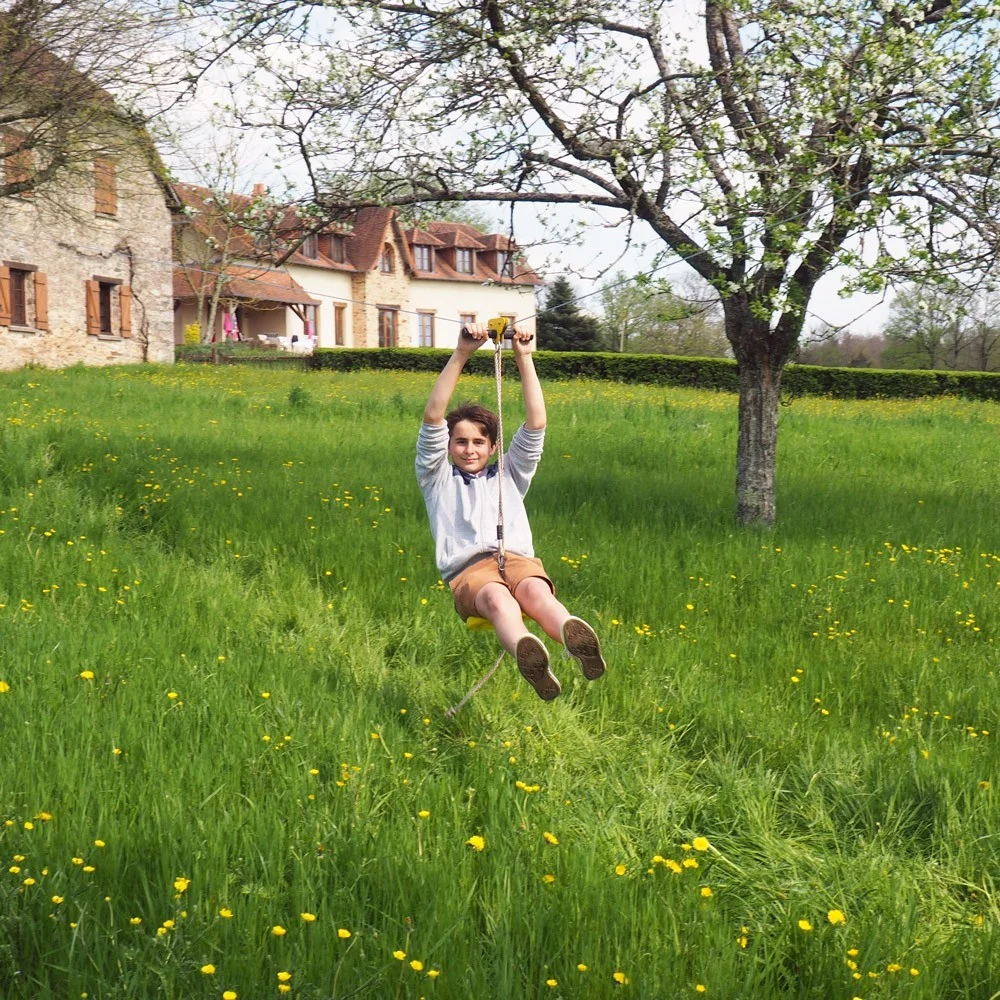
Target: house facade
<point>366,283</point>
<point>84,262</point>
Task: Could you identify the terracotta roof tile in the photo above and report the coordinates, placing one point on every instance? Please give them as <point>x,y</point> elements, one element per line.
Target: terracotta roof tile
<point>246,283</point>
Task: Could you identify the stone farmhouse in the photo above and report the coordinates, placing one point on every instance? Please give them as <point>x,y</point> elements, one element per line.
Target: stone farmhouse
<point>84,272</point>
<point>367,283</point>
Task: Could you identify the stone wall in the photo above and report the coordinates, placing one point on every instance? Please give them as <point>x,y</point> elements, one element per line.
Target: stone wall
<point>58,232</point>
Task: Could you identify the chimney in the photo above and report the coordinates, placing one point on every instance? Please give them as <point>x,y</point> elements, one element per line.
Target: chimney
<point>259,190</point>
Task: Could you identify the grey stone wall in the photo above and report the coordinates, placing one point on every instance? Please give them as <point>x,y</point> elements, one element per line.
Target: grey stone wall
<point>58,232</point>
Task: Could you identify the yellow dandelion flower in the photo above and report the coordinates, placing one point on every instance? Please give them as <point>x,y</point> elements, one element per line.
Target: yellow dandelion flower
<point>181,884</point>
<point>706,891</point>
<point>700,844</point>
<point>548,879</point>
<point>278,931</point>
<point>230,995</point>
<point>284,976</point>
<point>308,918</point>
<point>620,978</point>
<point>314,771</point>
<point>550,838</point>
<point>57,900</point>
<point>424,813</point>
<point>893,967</point>
<point>284,988</point>
<point>836,917</point>
<point>417,965</point>
<point>399,955</point>
<point>225,913</point>
<point>552,983</point>
<point>208,969</point>
<point>581,967</point>
<point>699,988</point>
<point>433,973</point>
<point>99,843</point>
<point>343,933</point>
<point>673,866</point>
<point>620,869</point>
<point>476,842</point>
<point>914,972</point>
<point>804,925</point>
<point>4,687</point>
<point>87,675</point>
<point>135,921</point>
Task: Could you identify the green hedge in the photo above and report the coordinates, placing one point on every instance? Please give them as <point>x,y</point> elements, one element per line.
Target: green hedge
<point>700,373</point>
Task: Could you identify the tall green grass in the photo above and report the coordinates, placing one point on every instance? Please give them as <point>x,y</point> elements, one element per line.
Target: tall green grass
<point>228,656</point>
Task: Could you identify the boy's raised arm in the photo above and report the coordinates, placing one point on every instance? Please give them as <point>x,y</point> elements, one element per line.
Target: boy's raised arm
<point>534,401</point>
<point>437,403</point>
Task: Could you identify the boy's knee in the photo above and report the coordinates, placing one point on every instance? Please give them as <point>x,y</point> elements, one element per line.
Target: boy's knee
<point>532,590</point>
<point>492,598</point>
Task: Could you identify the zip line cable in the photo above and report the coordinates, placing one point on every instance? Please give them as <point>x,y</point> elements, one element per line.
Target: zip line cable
<point>678,257</point>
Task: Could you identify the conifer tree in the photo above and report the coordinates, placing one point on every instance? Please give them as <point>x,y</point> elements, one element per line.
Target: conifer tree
<point>561,326</point>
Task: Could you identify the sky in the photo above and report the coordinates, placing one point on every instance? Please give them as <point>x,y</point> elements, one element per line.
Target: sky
<point>587,245</point>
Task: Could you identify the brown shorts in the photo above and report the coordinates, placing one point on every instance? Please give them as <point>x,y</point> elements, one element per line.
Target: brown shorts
<point>466,586</point>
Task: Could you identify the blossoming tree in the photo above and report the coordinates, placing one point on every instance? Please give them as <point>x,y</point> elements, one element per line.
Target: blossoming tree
<point>783,139</point>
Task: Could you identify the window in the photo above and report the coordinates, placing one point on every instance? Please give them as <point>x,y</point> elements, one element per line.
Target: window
<point>467,319</point>
<point>463,261</point>
<point>19,297</point>
<point>105,187</point>
<point>310,247</point>
<point>504,263</point>
<point>24,297</point>
<point>425,329</point>
<point>310,321</point>
<point>109,308</point>
<point>387,326</point>
<point>385,261</point>
<point>425,258</point>
<point>339,323</point>
<point>337,249</point>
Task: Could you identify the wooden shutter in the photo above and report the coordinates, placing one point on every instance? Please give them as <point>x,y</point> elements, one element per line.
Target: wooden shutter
<point>41,301</point>
<point>4,296</point>
<point>105,194</point>
<point>93,308</point>
<point>125,307</point>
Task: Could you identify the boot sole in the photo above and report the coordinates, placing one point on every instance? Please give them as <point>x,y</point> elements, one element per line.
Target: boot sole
<point>533,662</point>
<point>582,643</point>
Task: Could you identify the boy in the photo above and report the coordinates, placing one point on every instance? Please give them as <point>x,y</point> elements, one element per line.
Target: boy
<point>462,503</point>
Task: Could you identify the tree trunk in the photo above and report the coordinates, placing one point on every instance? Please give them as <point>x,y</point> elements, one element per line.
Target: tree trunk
<point>761,354</point>
<point>756,449</point>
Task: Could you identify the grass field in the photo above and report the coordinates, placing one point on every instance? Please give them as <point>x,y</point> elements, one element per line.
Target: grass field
<point>226,656</point>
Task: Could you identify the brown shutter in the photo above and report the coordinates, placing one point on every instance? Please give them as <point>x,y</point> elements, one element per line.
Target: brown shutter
<point>125,306</point>
<point>41,301</point>
<point>4,296</point>
<point>105,194</point>
<point>93,308</point>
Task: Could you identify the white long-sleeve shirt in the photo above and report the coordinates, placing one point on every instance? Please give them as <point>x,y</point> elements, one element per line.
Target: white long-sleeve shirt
<point>463,508</point>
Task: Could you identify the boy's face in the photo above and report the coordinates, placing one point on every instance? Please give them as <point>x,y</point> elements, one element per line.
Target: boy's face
<point>469,447</point>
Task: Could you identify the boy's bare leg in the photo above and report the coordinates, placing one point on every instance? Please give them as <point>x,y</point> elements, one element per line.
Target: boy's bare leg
<point>494,602</point>
<point>537,601</point>
<point>581,642</point>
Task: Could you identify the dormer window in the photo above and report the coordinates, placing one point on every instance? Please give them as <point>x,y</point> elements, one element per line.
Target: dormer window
<point>310,247</point>
<point>504,263</point>
<point>385,261</point>
<point>425,258</point>
<point>464,261</point>
<point>337,253</point>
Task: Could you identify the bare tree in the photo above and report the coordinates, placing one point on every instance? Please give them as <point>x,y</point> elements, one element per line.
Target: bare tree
<point>79,80</point>
<point>756,153</point>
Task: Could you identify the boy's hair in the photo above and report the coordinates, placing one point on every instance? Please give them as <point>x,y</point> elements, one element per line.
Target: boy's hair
<point>485,420</point>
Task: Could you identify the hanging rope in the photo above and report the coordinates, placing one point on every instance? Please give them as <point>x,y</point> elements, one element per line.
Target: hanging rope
<point>498,329</point>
